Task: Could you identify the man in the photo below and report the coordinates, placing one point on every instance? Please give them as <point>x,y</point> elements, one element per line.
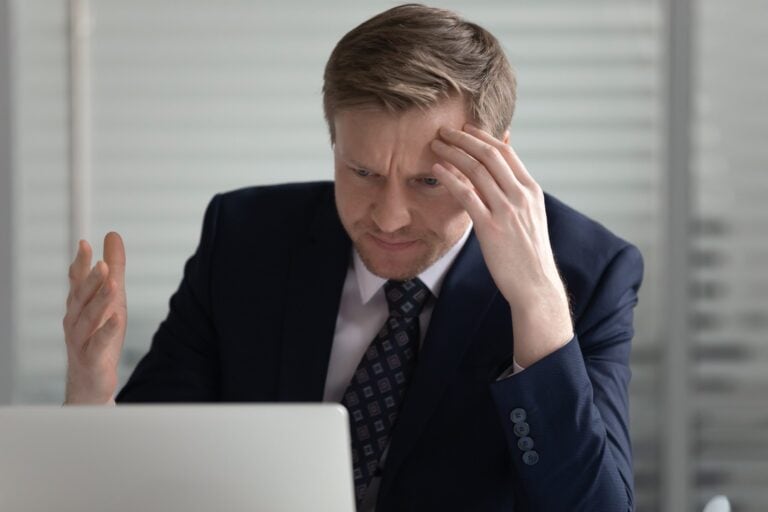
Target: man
<point>501,319</point>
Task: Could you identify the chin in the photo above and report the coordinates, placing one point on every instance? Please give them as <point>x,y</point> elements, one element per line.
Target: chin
<point>391,273</point>
<point>395,268</point>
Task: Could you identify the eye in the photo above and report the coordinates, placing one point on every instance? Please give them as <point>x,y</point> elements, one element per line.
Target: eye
<point>362,172</point>
<point>430,182</point>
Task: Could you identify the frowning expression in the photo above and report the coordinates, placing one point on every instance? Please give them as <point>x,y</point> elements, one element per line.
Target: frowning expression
<point>400,218</point>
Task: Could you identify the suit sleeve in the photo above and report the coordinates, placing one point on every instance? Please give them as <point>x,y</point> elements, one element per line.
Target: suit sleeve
<point>566,416</point>
<point>182,363</point>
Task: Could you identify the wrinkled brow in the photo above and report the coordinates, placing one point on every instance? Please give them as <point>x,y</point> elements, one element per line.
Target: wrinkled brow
<point>359,165</point>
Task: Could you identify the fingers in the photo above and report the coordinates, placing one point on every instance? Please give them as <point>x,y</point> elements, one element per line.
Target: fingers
<point>114,256</point>
<point>463,192</point>
<point>95,311</point>
<point>79,268</point>
<point>105,335</point>
<point>93,293</point>
<point>475,170</point>
<point>83,292</point>
<point>487,163</point>
<point>507,152</point>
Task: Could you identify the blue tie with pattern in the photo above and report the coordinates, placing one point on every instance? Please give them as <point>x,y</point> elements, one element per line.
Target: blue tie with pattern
<point>375,394</point>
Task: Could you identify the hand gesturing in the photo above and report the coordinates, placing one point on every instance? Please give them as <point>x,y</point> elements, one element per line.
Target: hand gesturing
<point>94,325</point>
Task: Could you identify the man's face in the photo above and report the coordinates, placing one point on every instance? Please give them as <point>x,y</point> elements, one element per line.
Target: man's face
<point>399,217</point>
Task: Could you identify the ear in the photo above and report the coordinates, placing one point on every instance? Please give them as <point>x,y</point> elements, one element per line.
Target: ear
<point>506,137</point>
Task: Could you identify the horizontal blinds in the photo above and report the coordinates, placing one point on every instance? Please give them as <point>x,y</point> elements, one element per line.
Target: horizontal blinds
<point>40,250</point>
<point>730,285</point>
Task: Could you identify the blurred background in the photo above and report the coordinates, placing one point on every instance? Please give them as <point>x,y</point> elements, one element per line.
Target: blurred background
<point>648,115</point>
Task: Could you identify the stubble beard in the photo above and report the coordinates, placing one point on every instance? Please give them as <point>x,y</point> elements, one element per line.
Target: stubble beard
<point>411,270</point>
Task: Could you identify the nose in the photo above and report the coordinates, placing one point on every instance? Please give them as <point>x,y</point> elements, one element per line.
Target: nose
<point>390,211</point>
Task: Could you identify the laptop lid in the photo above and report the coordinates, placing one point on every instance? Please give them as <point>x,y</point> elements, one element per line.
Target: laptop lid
<point>176,458</point>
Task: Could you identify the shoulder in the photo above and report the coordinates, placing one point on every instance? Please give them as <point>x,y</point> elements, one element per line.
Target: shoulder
<point>585,251</point>
<point>282,199</point>
<point>268,209</point>
<point>575,234</point>
<point>240,224</point>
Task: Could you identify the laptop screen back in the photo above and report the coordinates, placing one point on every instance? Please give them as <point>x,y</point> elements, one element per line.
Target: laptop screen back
<point>176,458</point>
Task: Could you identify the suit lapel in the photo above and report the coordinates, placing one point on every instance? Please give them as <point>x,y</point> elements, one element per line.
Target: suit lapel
<point>314,289</point>
<point>466,295</point>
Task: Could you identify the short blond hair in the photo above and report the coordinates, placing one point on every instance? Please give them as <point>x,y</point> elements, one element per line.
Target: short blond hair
<point>416,56</point>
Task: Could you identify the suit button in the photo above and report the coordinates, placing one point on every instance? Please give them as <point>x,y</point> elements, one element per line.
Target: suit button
<point>525,443</point>
<point>522,429</point>
<point>530,457</point>
<point>517,415</point>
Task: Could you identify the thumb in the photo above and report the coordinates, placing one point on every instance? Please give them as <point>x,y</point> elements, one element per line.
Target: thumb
<point>114,257</point>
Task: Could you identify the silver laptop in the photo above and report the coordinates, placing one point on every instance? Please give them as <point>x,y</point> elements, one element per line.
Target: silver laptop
<point>173,458</point>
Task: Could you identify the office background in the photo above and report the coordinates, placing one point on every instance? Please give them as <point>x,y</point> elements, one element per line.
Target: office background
<point>648,115</point>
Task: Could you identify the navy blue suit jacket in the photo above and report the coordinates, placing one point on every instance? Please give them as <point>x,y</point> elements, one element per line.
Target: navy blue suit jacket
<point>253,321</point>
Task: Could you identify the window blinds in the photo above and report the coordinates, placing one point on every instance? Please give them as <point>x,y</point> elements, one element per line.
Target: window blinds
<point>730,282</point>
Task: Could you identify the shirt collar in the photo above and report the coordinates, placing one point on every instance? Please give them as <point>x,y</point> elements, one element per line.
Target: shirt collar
<point>369,283</point>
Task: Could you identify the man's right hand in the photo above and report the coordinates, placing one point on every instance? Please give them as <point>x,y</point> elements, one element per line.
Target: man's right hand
<point>94,325</point>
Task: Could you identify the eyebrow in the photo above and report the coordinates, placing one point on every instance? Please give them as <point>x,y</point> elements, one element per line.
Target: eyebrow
<point>358,165</point>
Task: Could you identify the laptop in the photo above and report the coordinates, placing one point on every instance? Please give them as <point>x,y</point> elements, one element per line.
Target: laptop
<point>176,458</point>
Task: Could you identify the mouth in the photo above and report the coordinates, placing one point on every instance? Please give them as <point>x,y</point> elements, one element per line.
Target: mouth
<point>393,245</point>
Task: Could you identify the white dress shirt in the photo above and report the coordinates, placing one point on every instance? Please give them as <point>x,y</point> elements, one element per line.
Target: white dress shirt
<point>362,312</point>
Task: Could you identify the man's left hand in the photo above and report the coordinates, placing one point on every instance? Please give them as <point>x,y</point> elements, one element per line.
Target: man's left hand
<point>506,205</point>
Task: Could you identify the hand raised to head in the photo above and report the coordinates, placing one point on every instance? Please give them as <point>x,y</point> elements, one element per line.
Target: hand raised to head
<point>507,207</point>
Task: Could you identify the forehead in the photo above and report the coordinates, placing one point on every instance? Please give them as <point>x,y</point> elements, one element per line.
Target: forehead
<point>375,136</point>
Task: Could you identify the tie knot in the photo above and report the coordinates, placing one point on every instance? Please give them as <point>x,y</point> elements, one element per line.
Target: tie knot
<point>406,298</point>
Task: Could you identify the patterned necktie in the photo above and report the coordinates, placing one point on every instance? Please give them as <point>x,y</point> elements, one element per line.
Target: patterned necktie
<point>375,394</point>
